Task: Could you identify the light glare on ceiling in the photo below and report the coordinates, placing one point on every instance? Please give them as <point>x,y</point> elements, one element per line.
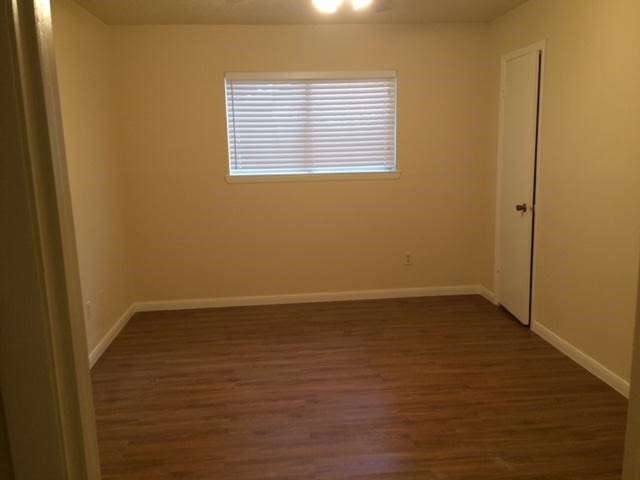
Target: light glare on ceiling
<point>327,6</point>
<point>332,6</point>
<point>360,4</point>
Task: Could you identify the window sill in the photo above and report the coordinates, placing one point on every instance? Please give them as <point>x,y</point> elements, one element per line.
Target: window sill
<point>313,177</point>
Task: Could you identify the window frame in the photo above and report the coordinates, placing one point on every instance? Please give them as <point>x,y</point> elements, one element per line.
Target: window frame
<point>310,176</point>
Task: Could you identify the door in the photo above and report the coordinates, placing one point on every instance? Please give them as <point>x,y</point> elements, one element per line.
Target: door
<point>48,425</point>
<point>516,184</point>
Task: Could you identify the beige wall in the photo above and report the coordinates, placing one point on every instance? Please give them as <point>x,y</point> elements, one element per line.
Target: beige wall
<point>86,71</point>
<point>194,235</point>
<point>589,196</point>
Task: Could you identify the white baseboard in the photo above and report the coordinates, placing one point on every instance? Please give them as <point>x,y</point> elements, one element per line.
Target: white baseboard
<point>596,368</point>
<point>581,358</point>
<point>110,336</point>
<point>221,302</point>
<point>487,294</point>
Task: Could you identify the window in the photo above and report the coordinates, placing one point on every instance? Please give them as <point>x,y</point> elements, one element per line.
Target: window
<point>310,123</point>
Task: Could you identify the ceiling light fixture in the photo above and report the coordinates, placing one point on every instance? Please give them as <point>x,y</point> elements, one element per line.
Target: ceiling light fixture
<point>361,4</point>
<point>327,6</point>
<point>332,6</point>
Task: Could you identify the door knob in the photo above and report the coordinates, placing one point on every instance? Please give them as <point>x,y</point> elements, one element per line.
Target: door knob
<point>522,207</point>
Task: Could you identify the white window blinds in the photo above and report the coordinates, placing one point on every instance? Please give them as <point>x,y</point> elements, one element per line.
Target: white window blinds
<point>289,124</point>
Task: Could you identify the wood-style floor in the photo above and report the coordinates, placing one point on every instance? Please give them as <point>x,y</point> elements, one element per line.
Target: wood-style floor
<point>428,388</point>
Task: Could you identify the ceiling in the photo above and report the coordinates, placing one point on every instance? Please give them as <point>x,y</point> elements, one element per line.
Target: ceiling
<point>258,12</point>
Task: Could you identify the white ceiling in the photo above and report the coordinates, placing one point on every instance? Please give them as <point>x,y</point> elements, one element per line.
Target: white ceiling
<point>166,12</point>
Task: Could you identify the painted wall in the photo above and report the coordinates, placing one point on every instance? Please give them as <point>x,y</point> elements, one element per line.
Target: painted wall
<point>195,236</point>
<point>589,196</point>
<point>85,60</point>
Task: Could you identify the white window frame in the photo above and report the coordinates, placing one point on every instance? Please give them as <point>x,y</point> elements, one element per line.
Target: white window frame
<point>312,75</point>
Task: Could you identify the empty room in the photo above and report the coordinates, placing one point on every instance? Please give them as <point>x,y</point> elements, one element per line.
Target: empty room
<point>322,239</point>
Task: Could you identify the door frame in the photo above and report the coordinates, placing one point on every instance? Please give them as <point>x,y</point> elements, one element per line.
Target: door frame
<point>535,47</point>
<point>48,402</point>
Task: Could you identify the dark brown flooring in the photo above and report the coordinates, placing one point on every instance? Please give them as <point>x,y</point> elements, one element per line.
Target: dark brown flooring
<point>429,388</point>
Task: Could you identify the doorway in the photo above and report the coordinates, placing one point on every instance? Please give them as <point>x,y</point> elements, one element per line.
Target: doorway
<point>518,160</point>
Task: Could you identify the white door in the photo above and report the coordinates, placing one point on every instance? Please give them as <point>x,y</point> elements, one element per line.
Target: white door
<point>516,184</point>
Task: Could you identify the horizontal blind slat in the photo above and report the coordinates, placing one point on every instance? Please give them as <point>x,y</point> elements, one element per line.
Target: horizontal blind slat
<point>310,130</point>
<point>379,163</point>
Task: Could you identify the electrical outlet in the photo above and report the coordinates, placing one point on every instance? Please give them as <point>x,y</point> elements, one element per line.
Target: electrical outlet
<point>408,258</point>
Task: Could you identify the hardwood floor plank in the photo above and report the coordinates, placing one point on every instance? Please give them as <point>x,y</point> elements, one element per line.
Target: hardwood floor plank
<point>432,388</point>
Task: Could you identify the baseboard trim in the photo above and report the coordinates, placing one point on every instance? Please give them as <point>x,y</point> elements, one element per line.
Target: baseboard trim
<point>603,373</point>
<point>111,335</point>
<point>596,368</point>
<point>317,297</point>
<point>487,294</point>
